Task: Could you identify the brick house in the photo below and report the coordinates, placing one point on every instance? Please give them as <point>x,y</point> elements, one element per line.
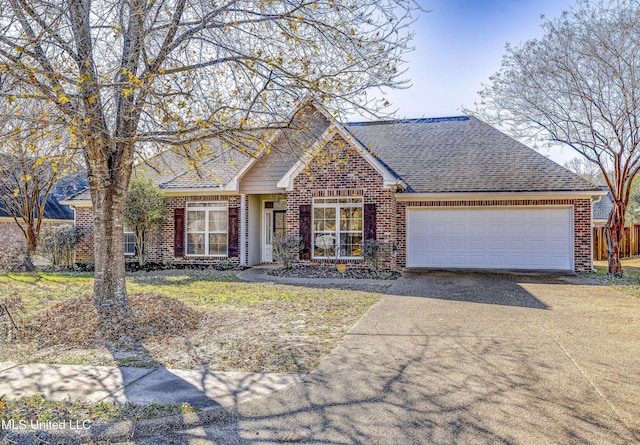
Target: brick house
<point>439,193</point>
<point>55,213</point>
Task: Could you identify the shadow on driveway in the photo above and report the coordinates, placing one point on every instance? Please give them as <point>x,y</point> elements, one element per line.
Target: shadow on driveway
<point>477,287</point>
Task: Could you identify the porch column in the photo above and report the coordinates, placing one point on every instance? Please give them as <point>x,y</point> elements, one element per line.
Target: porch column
<point>243,230</point>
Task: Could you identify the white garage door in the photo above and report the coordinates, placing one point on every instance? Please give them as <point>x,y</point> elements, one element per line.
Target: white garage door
<point>529,238</point>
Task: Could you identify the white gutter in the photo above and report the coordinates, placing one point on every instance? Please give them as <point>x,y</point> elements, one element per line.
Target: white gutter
<point>194,191</point>
<point>450,196</point>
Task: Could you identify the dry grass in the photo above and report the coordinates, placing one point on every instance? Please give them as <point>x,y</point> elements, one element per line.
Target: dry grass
<point>628,283</point>
<point>181,319</point>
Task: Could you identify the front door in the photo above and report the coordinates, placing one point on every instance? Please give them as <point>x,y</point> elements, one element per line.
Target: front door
<point>275,223</point>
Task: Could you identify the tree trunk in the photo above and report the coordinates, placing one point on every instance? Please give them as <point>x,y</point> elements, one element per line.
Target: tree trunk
<point>108,237</point>
<point>614,232</point>
<point>140,241</point>
<point>32,245</point>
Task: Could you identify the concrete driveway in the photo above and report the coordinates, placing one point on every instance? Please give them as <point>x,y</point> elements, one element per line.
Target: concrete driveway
<point>465,358</point>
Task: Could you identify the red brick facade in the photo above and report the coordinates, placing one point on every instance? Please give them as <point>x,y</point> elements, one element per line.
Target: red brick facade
<point>340,171</point>
<point>161,245</point>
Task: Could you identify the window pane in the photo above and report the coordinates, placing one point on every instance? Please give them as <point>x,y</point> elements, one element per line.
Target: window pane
<point>330,219</point>
<point>129,244</point>
<point>217,244</point>
<point>195,221</point>
<point>351,218</point>
<point>324,245</point>
<point>195,243</point>
<point>350,244</point>
<point>218,221</point>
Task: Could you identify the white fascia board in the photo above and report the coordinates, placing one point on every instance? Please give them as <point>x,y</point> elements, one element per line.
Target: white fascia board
<point>448,196</point>
<point>286,182</point>
<point>389,180</point>
<point>194,192</point>
<point>78,203</point>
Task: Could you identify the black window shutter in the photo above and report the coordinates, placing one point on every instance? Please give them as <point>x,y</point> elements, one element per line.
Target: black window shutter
<point>305,231</point>
<point>178,233</point>
<point>233,232</point>
<point>369,221</point>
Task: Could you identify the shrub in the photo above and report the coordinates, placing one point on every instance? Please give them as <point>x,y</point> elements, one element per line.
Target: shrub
<point>374,252</point>
<point>58,245</point>
<point>11,259</point>
<point>144,210</point>
<point>286,249</point>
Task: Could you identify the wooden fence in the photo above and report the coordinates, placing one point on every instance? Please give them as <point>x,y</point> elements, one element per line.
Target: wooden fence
<point>630,243</point>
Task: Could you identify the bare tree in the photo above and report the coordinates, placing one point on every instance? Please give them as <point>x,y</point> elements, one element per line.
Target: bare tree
<point>29,170</point>
<point>121,74</point>
<point>585,168</point>
<point>579,85</point>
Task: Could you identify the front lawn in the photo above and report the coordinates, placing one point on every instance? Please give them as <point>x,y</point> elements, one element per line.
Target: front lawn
<point>260,327</point>
<point>629,283</point>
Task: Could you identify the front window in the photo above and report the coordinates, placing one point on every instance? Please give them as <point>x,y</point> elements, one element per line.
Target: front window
<point>207,228</point>
<point>337,227</point>
<point>129,242</point>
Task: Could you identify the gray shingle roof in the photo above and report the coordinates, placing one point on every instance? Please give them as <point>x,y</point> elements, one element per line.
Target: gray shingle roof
<point>452,154</point>
<point>603,207</point>
<point>63,188</point>
<point>462,154</point>
<point>215,172</point>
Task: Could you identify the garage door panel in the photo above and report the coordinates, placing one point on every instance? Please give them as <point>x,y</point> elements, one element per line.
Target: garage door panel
<point>457,260</point>
<point>457,244</point>
<point>498,244</point>
<point>531,238</point>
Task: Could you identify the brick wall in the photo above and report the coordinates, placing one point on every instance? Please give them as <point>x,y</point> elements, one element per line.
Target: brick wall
<point>581,224</point>
<point>84,224</point>
<point>161,244</point>
<point>163,247</point>
<point>11,237</point>
<point>339,170</point>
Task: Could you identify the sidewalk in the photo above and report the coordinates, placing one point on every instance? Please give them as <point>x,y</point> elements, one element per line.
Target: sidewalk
<point>212,392</point>
<point>201,388</point>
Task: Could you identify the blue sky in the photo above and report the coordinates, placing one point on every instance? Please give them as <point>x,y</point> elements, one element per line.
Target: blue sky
<point>458,45</point>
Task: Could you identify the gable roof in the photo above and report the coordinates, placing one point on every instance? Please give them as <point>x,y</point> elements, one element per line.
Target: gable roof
<point>458,154</point>
<point>462,154</point>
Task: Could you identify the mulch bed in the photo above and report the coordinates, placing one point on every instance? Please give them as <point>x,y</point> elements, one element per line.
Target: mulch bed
<point>332,272</point>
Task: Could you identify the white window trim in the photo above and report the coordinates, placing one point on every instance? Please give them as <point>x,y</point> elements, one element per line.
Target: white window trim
<point>205,206</point>
<point>317,203</point>
<point>126,232</point>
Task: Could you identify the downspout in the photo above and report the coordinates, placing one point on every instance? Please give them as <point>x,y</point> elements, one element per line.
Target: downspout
<point>243,230</point>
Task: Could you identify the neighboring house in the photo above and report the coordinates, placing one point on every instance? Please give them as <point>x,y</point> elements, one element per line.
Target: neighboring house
<point>55,213</point>
<point>439,193</point>
<point>602,207</point>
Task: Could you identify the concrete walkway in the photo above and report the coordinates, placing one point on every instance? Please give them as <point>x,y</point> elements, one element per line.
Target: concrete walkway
<point>200,388</point>
<point>450,358</point>
<point>212,392</point>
